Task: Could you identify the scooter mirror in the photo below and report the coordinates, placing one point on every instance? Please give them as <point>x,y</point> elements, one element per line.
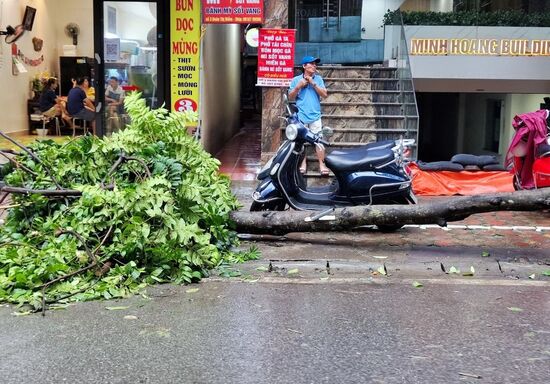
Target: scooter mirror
<point>327,131</point>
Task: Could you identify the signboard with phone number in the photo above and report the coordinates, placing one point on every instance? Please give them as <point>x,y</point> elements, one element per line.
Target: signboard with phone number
<point>275,57</point>
<point>232,11</point>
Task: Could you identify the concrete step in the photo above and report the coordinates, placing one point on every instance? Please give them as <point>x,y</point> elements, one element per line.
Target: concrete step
<point>363,121</point>
<point>338,95</point>
<point>360,108</point>
<point>328,71</point>
<point>361,84</point>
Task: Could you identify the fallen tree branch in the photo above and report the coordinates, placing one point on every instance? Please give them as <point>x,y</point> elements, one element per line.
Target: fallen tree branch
<point>44,192</point>
<point>435,212</point>
<point>33,156</point>
<point>18,164</point>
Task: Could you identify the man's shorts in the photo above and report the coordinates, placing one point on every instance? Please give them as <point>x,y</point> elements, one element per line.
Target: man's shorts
<point>315,126</point>
<point>85,114</point>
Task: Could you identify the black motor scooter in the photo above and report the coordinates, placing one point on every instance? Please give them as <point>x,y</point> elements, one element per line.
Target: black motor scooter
<point>375,173</point>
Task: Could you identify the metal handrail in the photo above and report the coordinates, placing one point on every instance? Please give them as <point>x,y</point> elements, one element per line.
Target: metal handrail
<point>404,73</point>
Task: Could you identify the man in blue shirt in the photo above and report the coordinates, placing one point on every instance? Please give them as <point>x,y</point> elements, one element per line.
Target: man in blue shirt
<point>78,103</point>
<point>308,88</point>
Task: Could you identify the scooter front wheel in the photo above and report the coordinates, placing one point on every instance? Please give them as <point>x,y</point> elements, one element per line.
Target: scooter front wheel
<point>276,205</point>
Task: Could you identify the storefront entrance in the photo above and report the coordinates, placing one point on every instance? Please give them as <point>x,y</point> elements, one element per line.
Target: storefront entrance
<point>130,55</point>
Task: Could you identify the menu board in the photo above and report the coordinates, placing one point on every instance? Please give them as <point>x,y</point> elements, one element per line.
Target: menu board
<point>275,57</point>
<point>232,11</point>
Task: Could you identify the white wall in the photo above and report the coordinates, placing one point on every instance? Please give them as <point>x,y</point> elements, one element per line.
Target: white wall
<point>134,20</point>
<point>50,20</point>
<point>373,15</point>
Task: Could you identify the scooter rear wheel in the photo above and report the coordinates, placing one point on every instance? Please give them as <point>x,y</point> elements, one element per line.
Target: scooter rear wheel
<point>277,205</point>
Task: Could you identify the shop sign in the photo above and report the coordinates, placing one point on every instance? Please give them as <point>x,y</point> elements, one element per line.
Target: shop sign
<point>232,11</point>
<point>276,57</point>
<point>480,47</point>
<point>185,30</point>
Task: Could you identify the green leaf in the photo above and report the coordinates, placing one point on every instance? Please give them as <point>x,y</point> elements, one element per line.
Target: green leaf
<point>262,269</point>
<point>292,271</point>
<point>116,308</point>
<point>546,273</point>
<point>453,269</point>
<point>470,273</point>
<point>192,290</point>
<point>515,309</point>
<point>485,254</point>
<point>416,284</point>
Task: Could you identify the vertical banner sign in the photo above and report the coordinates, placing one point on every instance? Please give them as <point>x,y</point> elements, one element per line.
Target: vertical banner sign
<point>275,57</point>
<point>185,31</point>
<point>233,11</point>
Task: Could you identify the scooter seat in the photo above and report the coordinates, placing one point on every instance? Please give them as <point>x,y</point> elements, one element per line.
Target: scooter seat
<point>355,160</point>
<point>384,144</point>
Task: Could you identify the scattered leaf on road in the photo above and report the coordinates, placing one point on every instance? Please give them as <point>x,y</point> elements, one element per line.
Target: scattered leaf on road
<point>24,313</point>
<point>262,269</point>
<point>192,290</point>
<point>546,273</point>
<point>453,269</point>
<point>471,272</point>
<point>485,254</point>
<point>416,284</point>
<point>532,276</point>
<point>292,271</point>
<point>116,308</point>
<point>380,257</point>
<point>515,309</point>
<point>130,317</point>
<point>381,270</point>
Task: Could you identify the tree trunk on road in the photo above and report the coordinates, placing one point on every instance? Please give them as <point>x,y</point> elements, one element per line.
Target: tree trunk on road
<point>435,212</point>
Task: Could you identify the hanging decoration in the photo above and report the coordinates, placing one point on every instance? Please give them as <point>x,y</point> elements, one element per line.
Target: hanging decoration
<point>29,61</point>
<point>37,44</point>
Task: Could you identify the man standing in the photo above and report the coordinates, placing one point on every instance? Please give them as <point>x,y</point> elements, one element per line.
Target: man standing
<point>79,105</point>
<point>308,89</point>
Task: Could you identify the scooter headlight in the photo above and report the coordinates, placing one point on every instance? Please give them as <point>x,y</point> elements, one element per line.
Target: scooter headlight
<point>291,132</point>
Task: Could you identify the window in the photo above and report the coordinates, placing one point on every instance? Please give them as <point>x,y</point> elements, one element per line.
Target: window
<point>111,20</point>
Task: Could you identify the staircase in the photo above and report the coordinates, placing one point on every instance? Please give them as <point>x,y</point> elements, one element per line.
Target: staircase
<point>364,104</point>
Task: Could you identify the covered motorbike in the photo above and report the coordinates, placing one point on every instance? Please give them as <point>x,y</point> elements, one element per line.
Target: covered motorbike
<point>529,151</point>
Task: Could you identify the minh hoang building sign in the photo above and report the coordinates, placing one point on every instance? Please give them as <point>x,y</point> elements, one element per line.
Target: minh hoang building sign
<point>489,47</point>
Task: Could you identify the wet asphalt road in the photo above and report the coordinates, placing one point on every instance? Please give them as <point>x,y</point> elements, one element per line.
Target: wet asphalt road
<point>297,324</point>
<point>301,322</point>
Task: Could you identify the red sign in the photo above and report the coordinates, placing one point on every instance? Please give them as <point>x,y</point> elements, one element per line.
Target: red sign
<point>275,57</point>
<point>232,11</point>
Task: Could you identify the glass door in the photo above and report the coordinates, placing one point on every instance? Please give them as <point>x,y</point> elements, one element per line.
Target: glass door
<point>128,52</point>
<point>326,21</point>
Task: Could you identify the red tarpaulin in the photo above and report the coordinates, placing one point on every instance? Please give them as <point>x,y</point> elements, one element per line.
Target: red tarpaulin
<point>448,183</point>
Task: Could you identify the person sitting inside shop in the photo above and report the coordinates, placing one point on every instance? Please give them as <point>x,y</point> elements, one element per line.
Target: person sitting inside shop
<point>50,103</point>
<point>114,97</point>
<point>79,105</point>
